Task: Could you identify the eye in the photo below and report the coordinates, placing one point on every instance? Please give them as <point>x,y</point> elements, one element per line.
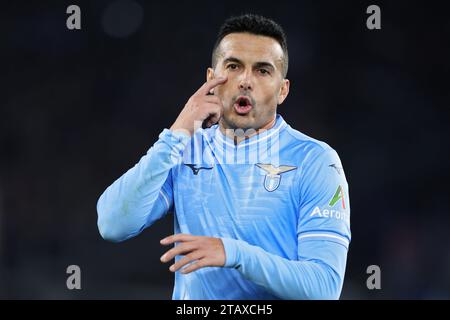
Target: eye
<point>232,66</point>
<point>264,71</point>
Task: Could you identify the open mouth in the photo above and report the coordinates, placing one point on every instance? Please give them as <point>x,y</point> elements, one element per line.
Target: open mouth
<point>243,105</point>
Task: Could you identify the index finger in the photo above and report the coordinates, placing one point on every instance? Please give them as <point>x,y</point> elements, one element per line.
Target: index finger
<point>180,237</point>
<point>211,84</point>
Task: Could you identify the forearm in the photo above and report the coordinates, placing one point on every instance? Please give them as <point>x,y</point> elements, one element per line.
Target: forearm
<point>126,206</point>
<point>287,279</point>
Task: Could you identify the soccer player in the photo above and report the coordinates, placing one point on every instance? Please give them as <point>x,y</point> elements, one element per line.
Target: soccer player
<point>261,209</point>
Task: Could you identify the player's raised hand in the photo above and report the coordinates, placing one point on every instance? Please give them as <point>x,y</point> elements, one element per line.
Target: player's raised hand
<point>200,251</point>
<point>200,107</point>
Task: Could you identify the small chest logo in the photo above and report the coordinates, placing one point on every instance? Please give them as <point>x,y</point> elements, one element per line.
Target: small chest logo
<point>196,169</point>
<point>273,175</point>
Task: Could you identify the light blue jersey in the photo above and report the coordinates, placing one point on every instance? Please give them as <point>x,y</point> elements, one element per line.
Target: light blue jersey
<point>278,200</point>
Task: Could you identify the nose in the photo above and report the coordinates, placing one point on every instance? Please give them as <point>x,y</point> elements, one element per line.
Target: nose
<point>245,86</point>
<point>245,82</point>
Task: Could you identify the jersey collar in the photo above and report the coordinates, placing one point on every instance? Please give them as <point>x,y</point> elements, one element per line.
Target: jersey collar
<point>259,138</point>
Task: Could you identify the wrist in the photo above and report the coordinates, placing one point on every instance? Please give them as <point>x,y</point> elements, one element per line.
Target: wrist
<point>180,128</point>
<point>231,249</point>
<point>177,138</point>
<point>180,131</point>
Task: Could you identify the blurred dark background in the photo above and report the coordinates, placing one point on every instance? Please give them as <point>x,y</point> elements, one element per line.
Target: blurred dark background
<point>78,108</point>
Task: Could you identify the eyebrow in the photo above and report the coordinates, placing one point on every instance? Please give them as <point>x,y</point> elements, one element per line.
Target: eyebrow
<point>259,64</point>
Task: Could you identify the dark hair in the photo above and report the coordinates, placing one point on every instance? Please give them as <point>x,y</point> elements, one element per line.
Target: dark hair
<point>257,25</point>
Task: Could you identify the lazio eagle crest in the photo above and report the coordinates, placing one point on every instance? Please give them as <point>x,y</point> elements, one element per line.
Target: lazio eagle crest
<point>273,176</point>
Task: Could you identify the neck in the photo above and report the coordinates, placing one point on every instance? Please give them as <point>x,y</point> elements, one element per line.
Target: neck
<point>231,133</point>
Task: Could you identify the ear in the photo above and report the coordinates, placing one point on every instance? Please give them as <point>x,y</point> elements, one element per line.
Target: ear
<point>209,74</point>
<point>284,91</point>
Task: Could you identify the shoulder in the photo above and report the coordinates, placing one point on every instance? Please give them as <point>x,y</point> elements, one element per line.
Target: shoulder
<point>307,149</point>
<point>298,137</point>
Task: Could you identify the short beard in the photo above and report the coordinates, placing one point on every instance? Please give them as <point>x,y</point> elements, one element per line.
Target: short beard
<point>227,124</point>
<point>230,124</point>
